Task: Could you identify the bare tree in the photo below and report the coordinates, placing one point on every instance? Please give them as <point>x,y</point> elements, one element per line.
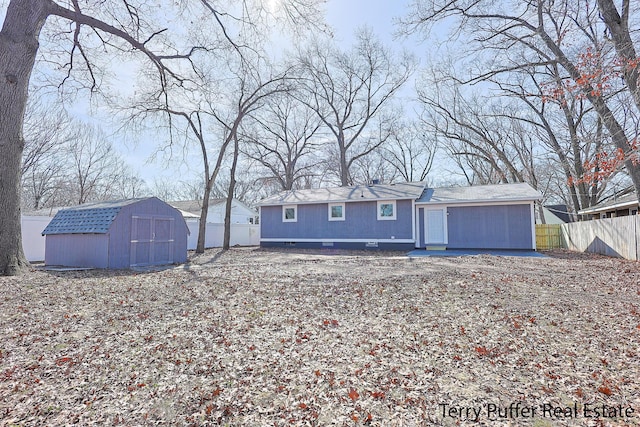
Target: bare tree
<point>476,133</point>
<point>283,139</point>
<point>45,132</point>
<point>535,34</point>
<point>347,90</point>
<point>94,164</point>
<point>214,118</point>
<point>125,27</point>
<point>411,150</point>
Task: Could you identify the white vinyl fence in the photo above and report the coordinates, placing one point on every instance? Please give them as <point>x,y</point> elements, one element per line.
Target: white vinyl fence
<point>610,236</point>
<point>241,235</point>
<point>32,238</point>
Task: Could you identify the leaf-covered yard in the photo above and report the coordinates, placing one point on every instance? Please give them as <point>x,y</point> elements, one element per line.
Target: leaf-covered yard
<point>254,337</point>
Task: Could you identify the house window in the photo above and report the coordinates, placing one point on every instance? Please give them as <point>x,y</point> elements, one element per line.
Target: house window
<point>387,210</point>
<point>290,213</point>
<point>336,211</point>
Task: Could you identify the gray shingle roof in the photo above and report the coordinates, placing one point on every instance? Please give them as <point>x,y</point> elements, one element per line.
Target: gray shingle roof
<point>407,190</point>
<point>92,218</point>
<point>194,206</point>
<point>480,193</point>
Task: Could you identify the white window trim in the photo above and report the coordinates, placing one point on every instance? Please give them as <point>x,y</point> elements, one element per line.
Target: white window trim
<point>387,218</point>
<point>342,218</point>
<point>295,213</point>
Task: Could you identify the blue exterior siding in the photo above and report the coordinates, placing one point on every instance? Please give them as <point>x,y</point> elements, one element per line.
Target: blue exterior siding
<point>490,227</point>
<point>120,231</point>
<point>77,250</point>
<point>360,222</point>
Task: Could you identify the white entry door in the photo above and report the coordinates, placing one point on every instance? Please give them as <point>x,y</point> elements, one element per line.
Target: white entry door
<point>435,229</point>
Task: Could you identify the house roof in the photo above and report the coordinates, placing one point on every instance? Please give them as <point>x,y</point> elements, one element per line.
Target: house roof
<point>90,218</point>
<point>407,190</point>
<point>560,211</point>
<point>626,201</point>
<point>50,212</point>
<point>552,215</point>
<point>480,193</point>
<point>195,206</point>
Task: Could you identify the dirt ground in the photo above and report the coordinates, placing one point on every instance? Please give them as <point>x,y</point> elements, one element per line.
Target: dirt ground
<point>253,337</point>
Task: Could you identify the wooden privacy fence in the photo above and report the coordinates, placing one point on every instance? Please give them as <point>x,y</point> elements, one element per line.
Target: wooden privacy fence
<point>610,236</point>
<point>549,236</point>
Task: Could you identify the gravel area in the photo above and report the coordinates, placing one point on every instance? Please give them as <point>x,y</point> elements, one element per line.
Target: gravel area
<point>257,337</point>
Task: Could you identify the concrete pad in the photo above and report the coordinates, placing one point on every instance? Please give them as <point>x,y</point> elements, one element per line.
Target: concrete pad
<point>471,252</point>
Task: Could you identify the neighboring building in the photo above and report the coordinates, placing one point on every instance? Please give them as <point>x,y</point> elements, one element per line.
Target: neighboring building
<point>402,216</point>
<point>240,213</point>
<point>244,220</point>
<point>554,214</point>
<point>117,234</point>
<point>616,206</point>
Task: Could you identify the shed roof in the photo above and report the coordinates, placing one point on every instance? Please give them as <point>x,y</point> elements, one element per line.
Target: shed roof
<point>90,218</point>
<point>407,190</point>
<point>480,193</point>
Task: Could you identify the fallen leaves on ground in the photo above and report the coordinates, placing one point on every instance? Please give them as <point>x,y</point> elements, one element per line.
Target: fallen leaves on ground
<point>267,337</point>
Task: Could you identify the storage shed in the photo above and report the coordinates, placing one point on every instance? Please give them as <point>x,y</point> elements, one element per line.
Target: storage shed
<point>117,234</point>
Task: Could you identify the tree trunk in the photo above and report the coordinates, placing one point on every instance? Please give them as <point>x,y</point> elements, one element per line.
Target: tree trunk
<point>202,226</point>
<point>618,25</point>
<point>232,186</point>
<point>18,47</point>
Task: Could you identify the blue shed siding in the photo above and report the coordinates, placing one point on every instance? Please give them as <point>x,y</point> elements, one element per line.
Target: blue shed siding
<point>77,250</point>
<point>120,231</point>
<point>360,222</point>
<point>490,227</point>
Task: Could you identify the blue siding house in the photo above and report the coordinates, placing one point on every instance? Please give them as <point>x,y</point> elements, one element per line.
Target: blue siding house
<point>402,216</point>
<point>117,234</point>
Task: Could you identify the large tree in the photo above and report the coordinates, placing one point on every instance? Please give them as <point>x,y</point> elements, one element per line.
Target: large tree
<point>349,91</point>
<point>518,35</point>
<point>125,27</point>
<point>283,140</point>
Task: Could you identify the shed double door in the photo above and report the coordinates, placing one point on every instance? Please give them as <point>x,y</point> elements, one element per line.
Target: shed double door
<point>152,240</point>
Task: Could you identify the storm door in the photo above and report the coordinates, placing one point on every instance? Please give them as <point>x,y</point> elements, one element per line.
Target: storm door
<point>435,230</point>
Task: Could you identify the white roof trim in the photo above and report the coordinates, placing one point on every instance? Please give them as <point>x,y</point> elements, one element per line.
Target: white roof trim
<point>594,209</point>
<point>477,201</point>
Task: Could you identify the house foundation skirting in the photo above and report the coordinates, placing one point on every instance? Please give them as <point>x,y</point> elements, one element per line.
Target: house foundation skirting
<point>372,245</point>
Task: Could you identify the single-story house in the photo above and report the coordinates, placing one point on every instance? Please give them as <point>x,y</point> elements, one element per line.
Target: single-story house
<point>613,207</point>
<point>402,216</point>
<point>117,234</point>
<point>240,213</point>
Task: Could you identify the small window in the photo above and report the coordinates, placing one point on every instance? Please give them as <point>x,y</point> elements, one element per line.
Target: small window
<point>290,213</point>
<point>336,211</point>
<point>387,210</point>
